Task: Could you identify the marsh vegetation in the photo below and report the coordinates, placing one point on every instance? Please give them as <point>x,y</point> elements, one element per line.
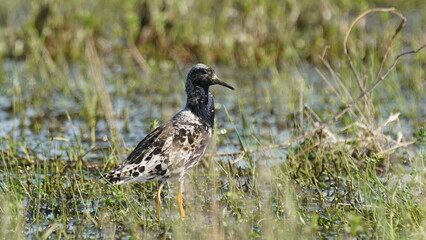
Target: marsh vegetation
<point>321,139</point>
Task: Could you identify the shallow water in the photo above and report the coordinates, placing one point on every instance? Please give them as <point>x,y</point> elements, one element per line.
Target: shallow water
<point>57,128</point>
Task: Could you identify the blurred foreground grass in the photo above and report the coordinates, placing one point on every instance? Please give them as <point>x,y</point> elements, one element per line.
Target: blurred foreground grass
<point>84,81</point>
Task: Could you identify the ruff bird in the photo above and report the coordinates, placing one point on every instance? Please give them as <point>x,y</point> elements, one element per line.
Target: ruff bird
<point>177,145</point>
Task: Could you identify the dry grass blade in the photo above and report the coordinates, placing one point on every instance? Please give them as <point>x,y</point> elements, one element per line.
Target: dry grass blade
<point>137,56</point>
<point>95,71</point>
<point>359,17</point>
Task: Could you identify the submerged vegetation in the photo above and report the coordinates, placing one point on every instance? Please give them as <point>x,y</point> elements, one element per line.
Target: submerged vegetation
<point>321,139</point>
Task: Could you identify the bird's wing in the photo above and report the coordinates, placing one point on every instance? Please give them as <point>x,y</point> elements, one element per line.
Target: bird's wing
<point>144,157</point>
<point>166,152</point>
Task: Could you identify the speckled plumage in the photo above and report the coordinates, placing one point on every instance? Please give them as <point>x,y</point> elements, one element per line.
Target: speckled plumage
<point>167,152</point>
<point>179,144</point>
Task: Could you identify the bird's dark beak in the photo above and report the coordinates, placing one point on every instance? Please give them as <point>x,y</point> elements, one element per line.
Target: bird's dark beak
<point>216,80</point>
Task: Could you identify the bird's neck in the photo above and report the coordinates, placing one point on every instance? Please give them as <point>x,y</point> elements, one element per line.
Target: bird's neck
<point>200,102</point>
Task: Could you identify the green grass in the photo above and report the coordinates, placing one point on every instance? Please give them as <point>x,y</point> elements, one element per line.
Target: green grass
<point>82,85</point>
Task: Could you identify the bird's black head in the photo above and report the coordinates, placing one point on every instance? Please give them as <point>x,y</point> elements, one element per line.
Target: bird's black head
<point>200,100</point>
<point>204,76</point>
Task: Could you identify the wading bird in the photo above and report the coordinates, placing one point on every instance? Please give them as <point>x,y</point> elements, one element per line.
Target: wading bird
<point>178,145</point>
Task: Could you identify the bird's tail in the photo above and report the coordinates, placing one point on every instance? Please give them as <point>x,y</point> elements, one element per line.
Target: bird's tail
<point>117,177</point>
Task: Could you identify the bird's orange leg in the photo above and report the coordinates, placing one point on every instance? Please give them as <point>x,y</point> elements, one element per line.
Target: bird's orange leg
<point>158,200</point>
<point>180,200</point>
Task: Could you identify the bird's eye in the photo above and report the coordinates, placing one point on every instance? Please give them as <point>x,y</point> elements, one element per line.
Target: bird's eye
<point>203,71</point>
